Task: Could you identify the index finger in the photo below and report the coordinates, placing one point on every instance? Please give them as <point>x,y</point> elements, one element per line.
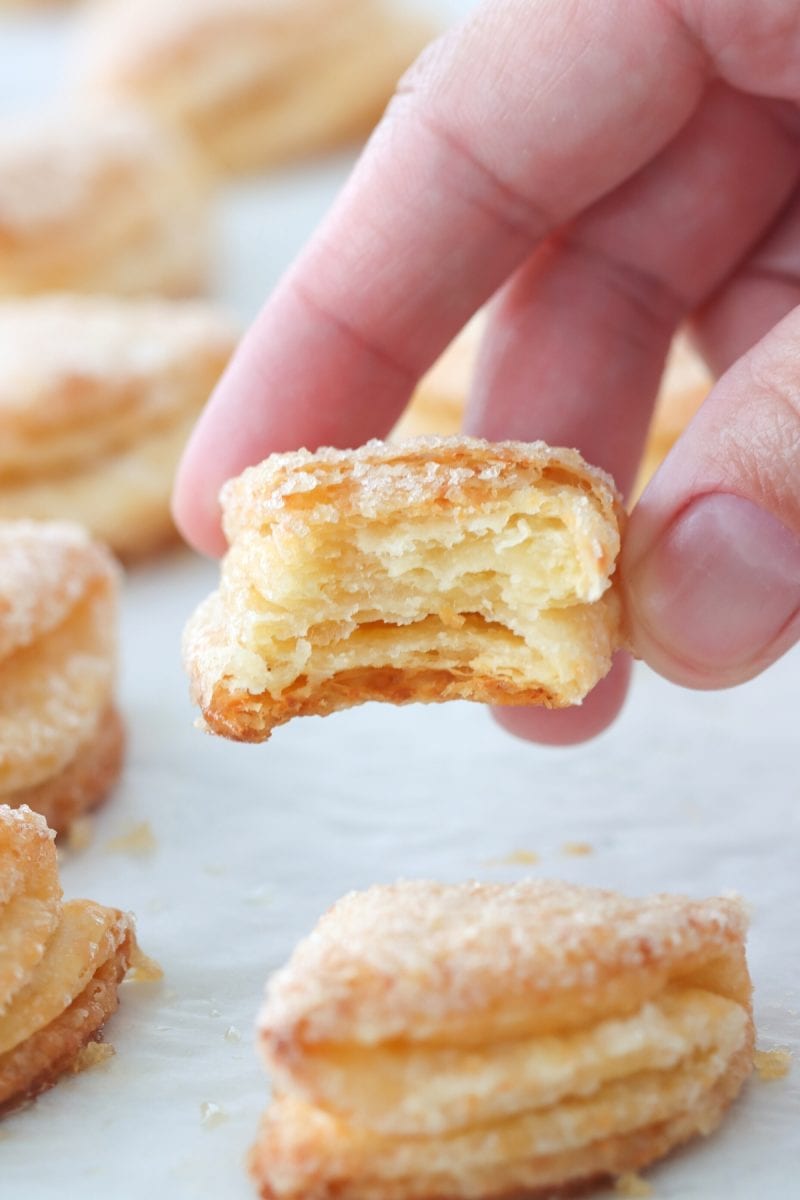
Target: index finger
<point>505,129</point>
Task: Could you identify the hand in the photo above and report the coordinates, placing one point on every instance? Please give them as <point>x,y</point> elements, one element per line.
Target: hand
<point>609,170</point>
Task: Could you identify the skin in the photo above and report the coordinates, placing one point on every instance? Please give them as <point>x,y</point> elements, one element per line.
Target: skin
<point>603,171</point>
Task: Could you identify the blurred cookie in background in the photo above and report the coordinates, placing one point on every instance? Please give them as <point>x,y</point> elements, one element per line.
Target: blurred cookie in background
<point>61,737</point>
<point>439,402</point>
<point>98,396</point>
<point>101,201</point>
<point>254,82</point>
<point>685,385</point>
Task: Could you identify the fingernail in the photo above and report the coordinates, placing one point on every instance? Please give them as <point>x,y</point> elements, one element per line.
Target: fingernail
<point>720,585</point>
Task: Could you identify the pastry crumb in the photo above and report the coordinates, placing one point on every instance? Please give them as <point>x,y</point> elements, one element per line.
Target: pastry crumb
<point>517,858</point>
<point>631,1184</point>
<point>92,1055</point>
<point>212,1115</point>
<point>259,895</point>
<point>80,834</point>
<point>139,839</point>
<point>772,1064</point>
<point>578,850</point>
<point>143,969</point>
<point>232,1034</point>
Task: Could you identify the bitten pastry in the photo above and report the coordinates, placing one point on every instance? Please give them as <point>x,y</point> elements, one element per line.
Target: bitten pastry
<point>97,399</point>
<point>434,570</point>
<point>100,200</point>
<point>61,964</point>
<point>254,82</point>
<point>61,738</point>
<point>492,1040</point>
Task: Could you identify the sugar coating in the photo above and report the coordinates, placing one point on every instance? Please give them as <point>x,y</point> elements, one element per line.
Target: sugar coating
<point>384,961</point>
<point>53,166</point>
<point>45,570</point>
<point>56,350</point>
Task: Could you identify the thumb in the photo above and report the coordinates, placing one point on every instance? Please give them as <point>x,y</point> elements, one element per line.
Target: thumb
<point>711,565</point>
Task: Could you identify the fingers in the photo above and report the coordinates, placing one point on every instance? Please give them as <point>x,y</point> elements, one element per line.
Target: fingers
<point>507,128</point>
<point>711,563</point>
<point>577,341</point>
<point>566,726</point>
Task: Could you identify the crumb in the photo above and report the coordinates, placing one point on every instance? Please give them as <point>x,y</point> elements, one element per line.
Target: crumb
<point>212,1115</point>
<point>143,969</point>
<point>92,1055</point>
<point>578,850</point>
<point>139,839</point>
<point>80,834</point>
<point>630,1184</point>
<point>232,1034</point>
<point>517,858</point>
<point>772,1064</point>
<point>259,895</point>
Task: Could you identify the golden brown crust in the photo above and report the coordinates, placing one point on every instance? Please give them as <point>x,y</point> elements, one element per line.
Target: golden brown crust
<point>84,783</point>
<point>38,1063</point>
<point>254,82</point>
<point>432,570</point>
<point>60,963</point>
<point>302,1160</point>
<point>472,1041</point>
<point>58,597</point>
<point>100,199</point>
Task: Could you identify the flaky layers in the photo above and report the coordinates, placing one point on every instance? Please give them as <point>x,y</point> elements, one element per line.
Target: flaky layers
<point>254,82</point>
<point>434,570</point>
<point>97,398</point>
<point>100,199</point>
<point>60,963</point>
<point>477,1040</point>
<point>61,740</point>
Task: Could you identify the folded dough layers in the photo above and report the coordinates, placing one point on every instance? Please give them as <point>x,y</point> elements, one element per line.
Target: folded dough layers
<point>60,737</point>
<point>253,82</point>
<point>60,963</point>
<point>97,398</point>
<point>434,570</point>
<point>478,1040</point>
<point>100,200</point>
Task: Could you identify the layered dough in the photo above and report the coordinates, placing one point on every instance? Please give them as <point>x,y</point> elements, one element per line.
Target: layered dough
<point>254,82</point>
<point>477,1040</point>
<point>61,740</point>
<point>101,199</point>
<point>97,399</point>
<point>434,570</point>
<point>60,963</point>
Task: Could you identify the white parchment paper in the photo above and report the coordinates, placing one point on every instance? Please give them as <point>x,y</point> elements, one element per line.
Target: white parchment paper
<point>688,792</point>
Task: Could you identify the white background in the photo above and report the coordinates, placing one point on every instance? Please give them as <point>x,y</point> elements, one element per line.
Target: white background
<point>688,792</point>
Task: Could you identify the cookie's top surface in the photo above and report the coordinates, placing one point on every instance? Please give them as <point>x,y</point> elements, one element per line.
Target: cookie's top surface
<point>408,959</point>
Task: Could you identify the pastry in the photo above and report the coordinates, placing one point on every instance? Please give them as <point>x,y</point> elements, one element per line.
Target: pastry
<point>438,404</point>
<point>437,569</point>
<point>494,1040</point>
<point>254,82</point>
<point>439,400</point>
<point>61,738</point>
<point>60,963</point>
<point>97,399</point>
<point>686,383</point>
<point>101,200</point>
